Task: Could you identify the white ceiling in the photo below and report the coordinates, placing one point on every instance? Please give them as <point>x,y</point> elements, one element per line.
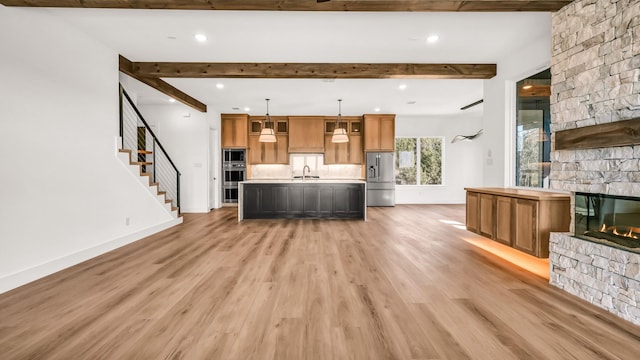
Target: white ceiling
<point>250,36</point>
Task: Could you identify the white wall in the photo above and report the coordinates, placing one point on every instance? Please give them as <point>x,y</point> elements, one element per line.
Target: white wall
<point>462,160</point>
<point>215,159</point>
<point>184,133</point>
<point>499,106</point>
<point>65,195</point>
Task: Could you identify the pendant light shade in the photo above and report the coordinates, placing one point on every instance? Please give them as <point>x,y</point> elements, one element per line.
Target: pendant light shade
<point>267,134</point>
<point>339,134</point>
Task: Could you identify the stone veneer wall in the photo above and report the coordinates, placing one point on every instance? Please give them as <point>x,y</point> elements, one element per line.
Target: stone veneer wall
<point>603,275</point>
<point>595,79</point>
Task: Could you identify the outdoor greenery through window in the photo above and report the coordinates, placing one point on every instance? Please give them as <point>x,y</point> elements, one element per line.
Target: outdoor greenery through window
<point>423,170</point>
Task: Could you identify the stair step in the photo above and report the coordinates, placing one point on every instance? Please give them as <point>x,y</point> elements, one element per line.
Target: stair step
<point>128,152</point>
<point>168,202</point>
<point>147,152</point>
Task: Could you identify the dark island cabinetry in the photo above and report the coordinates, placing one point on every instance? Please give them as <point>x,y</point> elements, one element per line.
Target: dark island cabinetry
<point>303,200</point>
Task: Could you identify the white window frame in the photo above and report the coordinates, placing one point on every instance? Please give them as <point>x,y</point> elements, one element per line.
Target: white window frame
<point>418,158</point>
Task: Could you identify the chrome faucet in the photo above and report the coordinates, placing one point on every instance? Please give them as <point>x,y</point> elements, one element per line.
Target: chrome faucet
<point>306,167</point>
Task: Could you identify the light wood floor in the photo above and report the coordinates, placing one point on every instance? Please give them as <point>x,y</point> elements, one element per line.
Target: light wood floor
<point>403,285</point>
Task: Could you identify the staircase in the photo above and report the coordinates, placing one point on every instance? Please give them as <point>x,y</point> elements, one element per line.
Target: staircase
<point>145,178</point>
<point>141,150</point>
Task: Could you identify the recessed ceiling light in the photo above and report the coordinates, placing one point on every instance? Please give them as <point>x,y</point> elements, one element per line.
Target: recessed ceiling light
<point>247,109</point>
<point>172,100</point>
<point>235,108</point>
<point>376,109</point>
<point>402,86</point>
<point>220,85</point>
<point>171,37</point>
<point>411,102</point>
<point>200,37</point>
<point>432,39</point>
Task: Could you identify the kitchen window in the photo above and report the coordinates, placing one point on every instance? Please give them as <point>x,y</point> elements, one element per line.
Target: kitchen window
<point>419,161</point>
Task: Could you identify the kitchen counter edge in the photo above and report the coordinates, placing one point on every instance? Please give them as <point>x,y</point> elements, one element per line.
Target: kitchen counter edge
<point>300,181</point>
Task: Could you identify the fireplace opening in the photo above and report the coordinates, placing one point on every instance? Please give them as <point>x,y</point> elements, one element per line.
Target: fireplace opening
<point>610,218</point>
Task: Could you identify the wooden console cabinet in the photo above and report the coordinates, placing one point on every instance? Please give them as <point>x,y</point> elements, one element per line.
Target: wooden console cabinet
<point>519,218</point>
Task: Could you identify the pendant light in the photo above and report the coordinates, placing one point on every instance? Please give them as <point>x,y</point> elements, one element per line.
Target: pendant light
<point>339,134</point>
<point>267,134</point>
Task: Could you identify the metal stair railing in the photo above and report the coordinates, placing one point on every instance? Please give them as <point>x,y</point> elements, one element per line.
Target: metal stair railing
<point>147,151</point>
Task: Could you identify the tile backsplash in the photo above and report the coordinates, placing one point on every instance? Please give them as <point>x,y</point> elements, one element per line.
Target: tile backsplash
<point>297,163</point>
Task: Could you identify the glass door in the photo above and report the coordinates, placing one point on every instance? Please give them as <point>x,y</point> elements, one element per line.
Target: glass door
<point>533,132</point>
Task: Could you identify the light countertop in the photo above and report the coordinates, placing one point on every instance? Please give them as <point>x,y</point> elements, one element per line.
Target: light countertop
<point>300,181</point>
<point>531,194</point>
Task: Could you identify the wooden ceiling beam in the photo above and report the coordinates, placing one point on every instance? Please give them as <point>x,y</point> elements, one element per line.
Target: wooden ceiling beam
<point>304,5</point>
<point>313,70</point>
<point>126,66</point>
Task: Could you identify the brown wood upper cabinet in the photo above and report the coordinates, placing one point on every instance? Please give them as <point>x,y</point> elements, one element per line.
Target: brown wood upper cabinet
<point>268,153</point>
<point>379,132</point>
<point>306,134</point>
<point>343,153</point>
<point>234,130</point>
<point>280,124</point>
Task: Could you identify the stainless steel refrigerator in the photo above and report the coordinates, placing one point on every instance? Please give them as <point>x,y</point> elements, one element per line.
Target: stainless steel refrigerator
<point>381,186</point>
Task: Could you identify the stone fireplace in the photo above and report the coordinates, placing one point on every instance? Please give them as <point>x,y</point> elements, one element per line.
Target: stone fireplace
<point>595,70</point>
<point>607,219</point>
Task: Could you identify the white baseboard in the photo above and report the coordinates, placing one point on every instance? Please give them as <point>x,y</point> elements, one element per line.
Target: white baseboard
<point>194,210</point>
<point>26,276</point>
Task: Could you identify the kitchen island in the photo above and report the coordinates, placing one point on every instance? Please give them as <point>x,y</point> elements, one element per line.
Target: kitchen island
<point>302,199</point>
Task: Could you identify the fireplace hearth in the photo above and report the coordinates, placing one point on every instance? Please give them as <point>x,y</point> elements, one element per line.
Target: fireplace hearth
<point>608,219</point>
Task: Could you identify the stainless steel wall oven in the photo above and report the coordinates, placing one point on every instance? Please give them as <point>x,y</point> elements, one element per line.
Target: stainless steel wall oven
<point>234,156</point>
<point>234,170</point>
<point>233,174</point>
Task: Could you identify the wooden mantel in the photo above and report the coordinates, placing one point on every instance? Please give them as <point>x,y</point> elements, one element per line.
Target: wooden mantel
<point>619,133</point>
